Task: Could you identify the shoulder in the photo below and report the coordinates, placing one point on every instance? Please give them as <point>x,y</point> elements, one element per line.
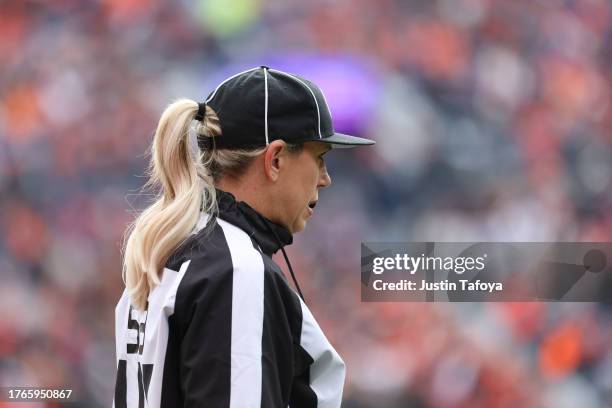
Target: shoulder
<point>224,270</point>
<point>224,259</point>
<point>216,251</point>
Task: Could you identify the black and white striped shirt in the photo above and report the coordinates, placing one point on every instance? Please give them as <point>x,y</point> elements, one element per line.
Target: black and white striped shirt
<point>224,328</point>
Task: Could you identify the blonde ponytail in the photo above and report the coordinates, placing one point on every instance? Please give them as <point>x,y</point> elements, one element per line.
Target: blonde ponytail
<point>185,184</point>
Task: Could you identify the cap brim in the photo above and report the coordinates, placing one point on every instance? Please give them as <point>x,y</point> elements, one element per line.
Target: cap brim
<point>340,140</point>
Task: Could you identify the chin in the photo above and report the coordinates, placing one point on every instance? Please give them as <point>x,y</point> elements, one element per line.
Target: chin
<point>298,227</point>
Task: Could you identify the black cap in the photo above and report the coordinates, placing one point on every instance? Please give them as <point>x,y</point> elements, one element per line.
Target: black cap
<point>260,105</point>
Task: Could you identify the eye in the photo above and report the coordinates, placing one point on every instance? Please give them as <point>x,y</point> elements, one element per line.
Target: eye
<point>321,159</point>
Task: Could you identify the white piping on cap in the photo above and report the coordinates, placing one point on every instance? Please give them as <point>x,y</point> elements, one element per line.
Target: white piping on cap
<point>227,79</point>
<point>309,90</point>
<point>327,104</point>
<point>265,70</point>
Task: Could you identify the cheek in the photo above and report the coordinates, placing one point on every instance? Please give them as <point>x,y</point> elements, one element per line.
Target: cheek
<point>311,181</point>
<point>295,195</point>
<point>300,196</point>
<point>300,188</point>
<point>313,176</point>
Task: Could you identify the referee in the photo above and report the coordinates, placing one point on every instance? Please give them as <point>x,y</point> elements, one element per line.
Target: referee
<point>207,318</point>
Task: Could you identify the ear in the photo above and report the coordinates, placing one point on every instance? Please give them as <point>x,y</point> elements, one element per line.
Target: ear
<point>273,159</point>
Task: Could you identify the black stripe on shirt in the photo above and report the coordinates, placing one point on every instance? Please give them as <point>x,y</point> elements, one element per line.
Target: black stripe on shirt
<point>203,308</point>
<point>121,385</point>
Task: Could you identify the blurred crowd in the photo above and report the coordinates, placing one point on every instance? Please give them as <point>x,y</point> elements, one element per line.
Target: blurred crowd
<point>492,120</point>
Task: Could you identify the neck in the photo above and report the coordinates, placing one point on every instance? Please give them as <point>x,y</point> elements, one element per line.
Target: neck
<point>249,192</point>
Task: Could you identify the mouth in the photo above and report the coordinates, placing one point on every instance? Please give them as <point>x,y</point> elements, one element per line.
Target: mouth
<point>311,206</point>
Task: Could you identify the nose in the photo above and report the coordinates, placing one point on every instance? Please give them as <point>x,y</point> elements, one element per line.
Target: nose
<point>324,179</point>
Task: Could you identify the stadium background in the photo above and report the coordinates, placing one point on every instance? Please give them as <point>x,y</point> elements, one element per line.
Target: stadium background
<point>492,120</point>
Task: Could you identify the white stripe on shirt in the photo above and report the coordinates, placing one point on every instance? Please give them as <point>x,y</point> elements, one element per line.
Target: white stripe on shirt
<point>247,318</point>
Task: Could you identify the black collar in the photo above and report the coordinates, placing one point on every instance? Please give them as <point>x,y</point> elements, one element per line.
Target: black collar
<point>269,236</point>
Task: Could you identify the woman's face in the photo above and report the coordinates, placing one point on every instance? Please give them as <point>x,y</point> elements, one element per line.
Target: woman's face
<point>305,174</point>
